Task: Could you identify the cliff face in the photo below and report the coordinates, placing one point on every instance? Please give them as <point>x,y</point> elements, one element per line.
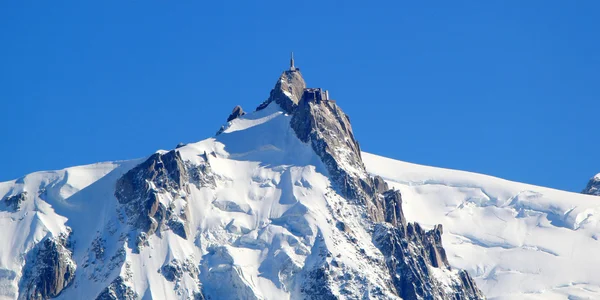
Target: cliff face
<point>412,254</point>
<point>49,269</point>
<point>153,194</point>
<point>287,91</point>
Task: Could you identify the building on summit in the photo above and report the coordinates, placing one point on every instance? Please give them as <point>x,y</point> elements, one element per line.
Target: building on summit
<point>316,95</point>
<point>292,67</point>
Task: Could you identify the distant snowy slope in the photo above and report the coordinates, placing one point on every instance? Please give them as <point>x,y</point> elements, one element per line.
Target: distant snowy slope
<point>519,241</point>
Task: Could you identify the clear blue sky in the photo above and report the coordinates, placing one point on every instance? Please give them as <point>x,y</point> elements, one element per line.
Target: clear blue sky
<point>506,88</point>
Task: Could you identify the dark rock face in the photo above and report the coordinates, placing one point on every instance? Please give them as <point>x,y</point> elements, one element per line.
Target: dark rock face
<point>410,254</point>
<point>316,279</point>
<point>325,126</point>
<point>237,112</point>
<point>329,132</point>
<point>48,270</point>
<point>175,269</point>
<point>141,199</point>
<point>393,208</point>
<point>593,186</point>
<point>118,290</point>
<point>14,202</point>
<point>140,189</point>
<point>287,91</point>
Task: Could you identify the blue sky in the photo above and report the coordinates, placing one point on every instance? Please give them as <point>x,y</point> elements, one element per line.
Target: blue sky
<point>506,88</point>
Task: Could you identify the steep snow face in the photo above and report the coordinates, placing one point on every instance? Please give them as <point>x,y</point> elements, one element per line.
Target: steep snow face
<point>593,186</point>
<point>517,240</point>
<point>32,214</point>
<point>264,227</point>
<point>249,214</point>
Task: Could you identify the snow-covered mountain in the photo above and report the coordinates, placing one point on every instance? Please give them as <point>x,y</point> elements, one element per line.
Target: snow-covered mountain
<point>593,186</point>
<point>282,204</point>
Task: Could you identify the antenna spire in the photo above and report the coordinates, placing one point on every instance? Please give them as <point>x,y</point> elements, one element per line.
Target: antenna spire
<point>292,67</point>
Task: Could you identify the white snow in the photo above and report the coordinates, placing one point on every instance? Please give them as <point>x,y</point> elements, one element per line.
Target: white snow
<point>273,211</point>
<point>270,214</point>
<point>517,240</point>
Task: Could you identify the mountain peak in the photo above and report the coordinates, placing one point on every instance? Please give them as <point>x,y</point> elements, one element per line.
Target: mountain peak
<point>593,186</point>
<point>287,91</point>
<point>278,205</point>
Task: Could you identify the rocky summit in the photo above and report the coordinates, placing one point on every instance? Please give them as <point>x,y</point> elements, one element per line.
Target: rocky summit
<point>282,204</point>
<point>593,186</point>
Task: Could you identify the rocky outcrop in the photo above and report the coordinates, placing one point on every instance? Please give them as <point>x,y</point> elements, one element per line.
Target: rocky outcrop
<point>325,126</point>
<point>162,176</point>
<point>413,255</point>
<point>220,276</point>
<point>593,186</point>
<point>140,188</point>
<point>237,112</point>
<point>316,279</point>
<point>287,91</point>
<point>392,208</point>
<point>14,202</point>
<point>118,290</point>
<point>176,269</point>
<point>48,270</point>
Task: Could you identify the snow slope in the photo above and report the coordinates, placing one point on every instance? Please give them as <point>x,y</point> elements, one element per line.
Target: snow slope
<point>270,214</point>
<point>266,217</point>
<point>37,218</point>
<point>518,241</point>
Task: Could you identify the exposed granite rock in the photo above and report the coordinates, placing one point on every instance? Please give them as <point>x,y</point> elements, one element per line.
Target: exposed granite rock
<point>325,126</point>
<point>118,290</point>
<point>201,175</point>
<point>237,112</point>
<point>175,269</point>
<point>328,129</point>
<point>393,208</point>
<point>287,91</point>
<point>14,202</point>
<point>315,284</point>
<point>161,175</point>
<point>48,270</point>
<point>593,186</point>
<point>380,185</point>
<point>410,254</point>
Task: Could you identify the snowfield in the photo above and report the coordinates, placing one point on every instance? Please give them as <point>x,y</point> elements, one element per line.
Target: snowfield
<point>272,213</point>
<point>518,241</point>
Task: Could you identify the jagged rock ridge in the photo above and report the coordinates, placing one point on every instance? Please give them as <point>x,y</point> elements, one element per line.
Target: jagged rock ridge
<point>593,186</point>
<point>324,125</point>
